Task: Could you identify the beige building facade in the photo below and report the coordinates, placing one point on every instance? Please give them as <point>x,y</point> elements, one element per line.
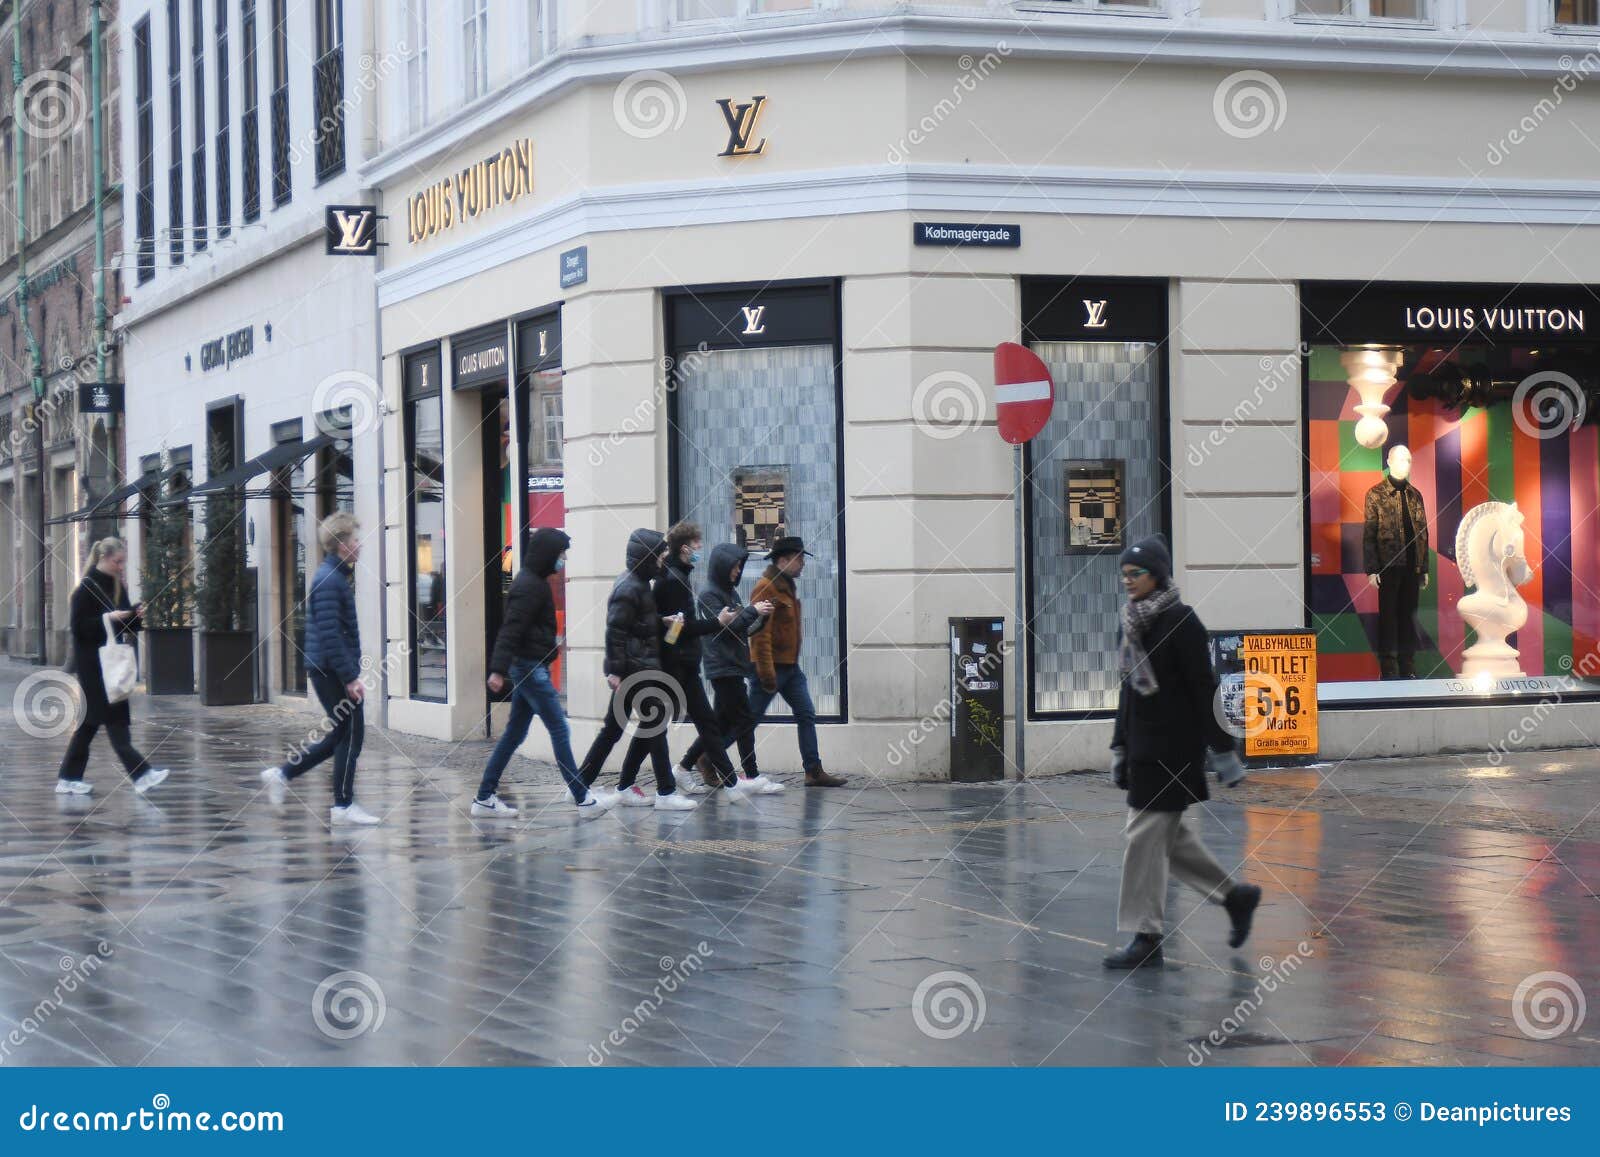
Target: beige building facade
<point>685,271</point>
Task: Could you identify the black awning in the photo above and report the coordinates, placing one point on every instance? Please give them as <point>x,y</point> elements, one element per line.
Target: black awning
<point>113,501</point>
<point>281,455</point>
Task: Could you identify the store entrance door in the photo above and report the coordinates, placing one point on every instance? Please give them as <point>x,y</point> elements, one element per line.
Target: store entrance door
<point>500,518</point>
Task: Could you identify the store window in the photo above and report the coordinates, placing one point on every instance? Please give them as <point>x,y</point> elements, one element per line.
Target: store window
<point>755,452</point>
<point>425,500</point>
<point>1453,483</point>
<point>1094,478</point>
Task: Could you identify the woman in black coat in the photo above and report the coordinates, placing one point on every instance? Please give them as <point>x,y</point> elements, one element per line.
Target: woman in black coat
<point>100,593</point>
<point>1167,735</point>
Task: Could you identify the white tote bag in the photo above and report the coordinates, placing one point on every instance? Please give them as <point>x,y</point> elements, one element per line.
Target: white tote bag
<point>119,664</point>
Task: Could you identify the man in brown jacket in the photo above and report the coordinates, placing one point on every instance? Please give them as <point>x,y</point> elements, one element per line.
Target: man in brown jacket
<point>776,652</point>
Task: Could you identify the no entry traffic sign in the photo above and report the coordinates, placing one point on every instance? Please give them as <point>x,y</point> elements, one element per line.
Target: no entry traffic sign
<point>1024,395</point>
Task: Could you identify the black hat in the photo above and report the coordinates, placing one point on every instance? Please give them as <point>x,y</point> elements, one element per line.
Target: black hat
<point>789,544</point>
<point>1152,554</point>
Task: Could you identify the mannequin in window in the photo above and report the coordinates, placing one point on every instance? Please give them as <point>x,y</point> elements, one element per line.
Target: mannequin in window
<point>1395,550</point>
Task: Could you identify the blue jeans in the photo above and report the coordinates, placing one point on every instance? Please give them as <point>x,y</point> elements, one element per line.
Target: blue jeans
<point>533,693</point>
<point>792,686</point>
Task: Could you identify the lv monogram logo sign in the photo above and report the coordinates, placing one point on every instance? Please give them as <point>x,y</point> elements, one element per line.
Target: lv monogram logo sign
<point>753,324</point>
<point>741,120</point>
<point>352,230</point>
<point>1096,311</point>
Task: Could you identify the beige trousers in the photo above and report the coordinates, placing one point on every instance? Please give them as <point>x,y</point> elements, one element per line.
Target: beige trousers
<point>1156,843</point>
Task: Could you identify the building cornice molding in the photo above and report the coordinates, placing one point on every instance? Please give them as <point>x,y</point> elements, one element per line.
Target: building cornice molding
<point>990,192</point>
<point>837,34</point>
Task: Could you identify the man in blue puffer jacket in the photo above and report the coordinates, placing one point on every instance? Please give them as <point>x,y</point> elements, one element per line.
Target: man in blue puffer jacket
<point>333,666</point>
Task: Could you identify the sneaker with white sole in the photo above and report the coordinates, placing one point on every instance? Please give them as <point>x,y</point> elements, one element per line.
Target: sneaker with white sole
<point>493,806</point>
<point>690,784</point>
<point>276,783</point>
<point>355,814</point>
<point>592,808</point>
<point>633,797</point>
<point>735,792</point>
<point>675,803</point>
<point>155,777</point>
<point>761,785</point>
<point>73,787</point>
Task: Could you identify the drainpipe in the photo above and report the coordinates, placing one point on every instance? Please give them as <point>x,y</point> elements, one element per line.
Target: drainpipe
<point>18,160</point>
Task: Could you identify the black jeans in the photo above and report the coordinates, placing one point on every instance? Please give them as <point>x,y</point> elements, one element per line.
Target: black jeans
<point>342,739</point>
<point>1399,591</point>
<point>707,727</point>
<point>77,757</point>
<point>736,723</point>
<point>651,739</point>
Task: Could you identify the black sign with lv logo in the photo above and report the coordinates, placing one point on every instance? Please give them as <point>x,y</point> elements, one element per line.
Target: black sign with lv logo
<point>741,119</point>
<point>1094,309</point>
<point>351,230</point>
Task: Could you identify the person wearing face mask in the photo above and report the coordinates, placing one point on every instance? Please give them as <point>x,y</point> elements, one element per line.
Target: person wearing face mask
<point>634,633</point>
<point>680,659</point>
<point>523,650</point>
<point>1166,737</point>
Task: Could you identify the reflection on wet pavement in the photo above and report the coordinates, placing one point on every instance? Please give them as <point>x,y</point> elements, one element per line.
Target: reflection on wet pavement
<point>927,924</point>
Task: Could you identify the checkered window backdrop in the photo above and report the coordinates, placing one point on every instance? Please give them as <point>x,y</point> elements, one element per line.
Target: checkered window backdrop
<point>1107,409</point>
<point>757,453</point>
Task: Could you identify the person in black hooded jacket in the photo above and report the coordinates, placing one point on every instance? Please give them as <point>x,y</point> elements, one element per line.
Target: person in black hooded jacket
<point>527,644</point>
<point>728,664</point>
<point>1166,737</point>
<point>634,630</point>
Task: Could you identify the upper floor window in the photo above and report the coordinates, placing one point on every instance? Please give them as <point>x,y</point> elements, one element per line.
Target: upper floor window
<point>414,22</point>
<point>1577,13</point>
<point>174,135</point>
<point>328,93</point>
<point>475,47</point>
<point>537,12</point>
<point>144,152</point>
<point>278,99</point>
<point>1414,11</point>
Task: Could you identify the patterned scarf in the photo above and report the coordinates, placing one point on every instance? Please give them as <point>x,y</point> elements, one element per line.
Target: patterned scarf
<point>1137,615</point>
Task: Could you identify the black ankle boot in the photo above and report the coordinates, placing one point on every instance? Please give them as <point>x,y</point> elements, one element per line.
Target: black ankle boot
<point>1145,948</point>
<point>1241,902</point>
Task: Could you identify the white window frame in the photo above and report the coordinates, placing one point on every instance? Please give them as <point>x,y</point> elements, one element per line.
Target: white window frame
<point>414,36</point>
<point>743,10</point>
<point>1361,14</point>
<point>1542,18</point>
<point>474,56</point>
<point>1156,8</point>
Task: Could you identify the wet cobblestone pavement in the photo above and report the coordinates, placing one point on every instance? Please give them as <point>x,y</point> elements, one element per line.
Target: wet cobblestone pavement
<point>921,924</point>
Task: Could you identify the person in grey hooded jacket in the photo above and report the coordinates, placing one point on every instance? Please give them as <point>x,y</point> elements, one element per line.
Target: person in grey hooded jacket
<point>728,665</point>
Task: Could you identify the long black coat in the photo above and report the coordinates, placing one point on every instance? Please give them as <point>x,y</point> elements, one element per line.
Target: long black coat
<point>98,594</point>
<point>1166,734</point>
<point>633,625</point>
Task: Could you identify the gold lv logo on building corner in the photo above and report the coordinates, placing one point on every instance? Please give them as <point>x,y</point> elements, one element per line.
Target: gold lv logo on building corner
<point>741,120</point>
<point>1095,312</point>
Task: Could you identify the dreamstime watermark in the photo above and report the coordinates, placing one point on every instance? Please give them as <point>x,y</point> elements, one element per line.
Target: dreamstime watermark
<point>1573,73</point>
<point>1548,404</point>
<point>1276,974</point>
<point>1276,372</point>
<point>900,750</point>
<point>674,974</point>
<point>972,73</point>
<point>642,420</point>
<point>352,391</point>
<point>1230,702</point>
<point>1531,720</point>
<point>947,1004</point>
<point>946,404</point>
<point>369,678</point>
<point>45,704</point>
<point>371,71</point>
<point>649,103</point>
<point>1547,1005</point>
<point>74,973</point>
<point>52,103</point>
<point>654,696</point>
<point>1248,103</point>
<point>348,1004</point>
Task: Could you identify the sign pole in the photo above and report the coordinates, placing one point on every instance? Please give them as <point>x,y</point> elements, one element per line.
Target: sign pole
<point>1018,678</point>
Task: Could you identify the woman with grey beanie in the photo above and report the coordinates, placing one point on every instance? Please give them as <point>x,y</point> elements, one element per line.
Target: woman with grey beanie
<point>1167,736</point>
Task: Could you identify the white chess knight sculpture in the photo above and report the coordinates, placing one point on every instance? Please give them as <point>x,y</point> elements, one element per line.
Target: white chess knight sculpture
<point>1489,554</point>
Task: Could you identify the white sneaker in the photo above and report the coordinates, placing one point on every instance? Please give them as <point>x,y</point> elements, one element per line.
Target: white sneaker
<point>604,796</point>
<point>354,814</point>
<point>675,803</point>
<point>155,777</point>
<point>633,797</point>
<point>276,782</point>
<point>592,808</point>
<point>493,806</point>
<point>73,787</point>
<point>736,793</point>
<point>761,785</point>
<point>690,783</point>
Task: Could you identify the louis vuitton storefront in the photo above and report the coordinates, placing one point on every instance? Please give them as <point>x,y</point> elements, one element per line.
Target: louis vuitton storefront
<point>619,328</point>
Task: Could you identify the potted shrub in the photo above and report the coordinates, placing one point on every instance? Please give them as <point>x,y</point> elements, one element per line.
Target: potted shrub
<point>222,596</point>
<point>166,587</point>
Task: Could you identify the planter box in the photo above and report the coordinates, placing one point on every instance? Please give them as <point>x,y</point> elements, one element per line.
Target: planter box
<point>169,660</point>
<point>227,668</point>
